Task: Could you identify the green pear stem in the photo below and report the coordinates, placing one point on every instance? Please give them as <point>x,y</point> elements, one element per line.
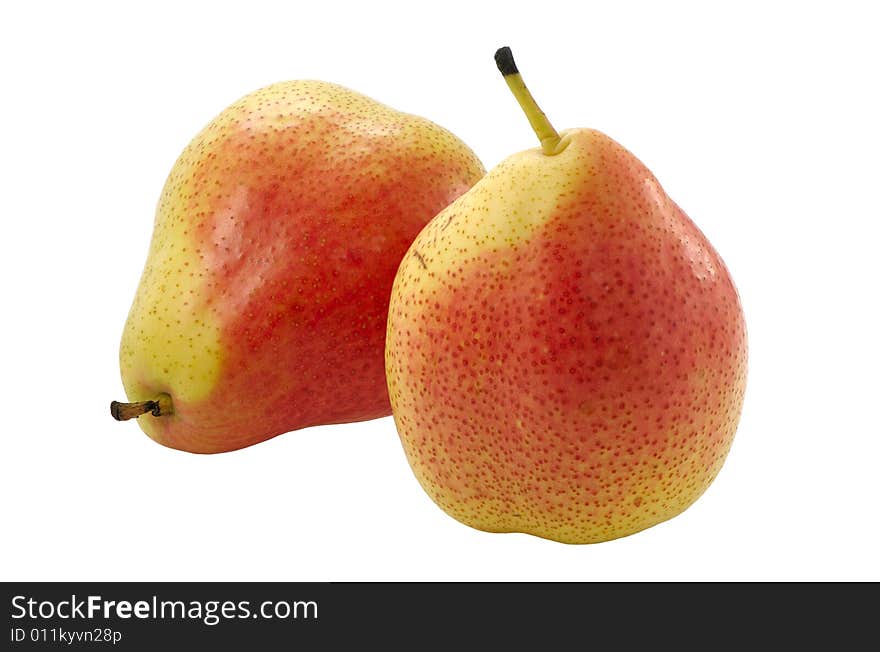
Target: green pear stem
<point>541,125</point>
<point>159,407</point>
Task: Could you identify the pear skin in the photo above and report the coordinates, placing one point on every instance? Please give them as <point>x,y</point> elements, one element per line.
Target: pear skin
<point>566,352</point>
<point>262,306</point>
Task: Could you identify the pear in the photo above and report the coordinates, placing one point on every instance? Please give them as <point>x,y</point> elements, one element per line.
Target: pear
<point>263,302</point>
<point>566,352</point>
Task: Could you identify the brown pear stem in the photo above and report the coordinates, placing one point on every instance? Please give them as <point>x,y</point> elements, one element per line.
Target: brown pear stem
<point>159,407</point>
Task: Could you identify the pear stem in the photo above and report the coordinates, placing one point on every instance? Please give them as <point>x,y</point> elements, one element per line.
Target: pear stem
<point>540,124</point>
<point>159,407</point>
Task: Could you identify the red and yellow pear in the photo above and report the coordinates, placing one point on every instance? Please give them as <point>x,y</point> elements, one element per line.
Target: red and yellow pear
<point>263,302</point>
<point>566,352</point>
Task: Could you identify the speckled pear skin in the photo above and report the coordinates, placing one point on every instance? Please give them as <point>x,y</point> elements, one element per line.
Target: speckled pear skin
<point>262,307</point>
<point>566,352</point>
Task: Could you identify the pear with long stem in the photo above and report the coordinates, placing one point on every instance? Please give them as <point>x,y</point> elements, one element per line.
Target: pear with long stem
<point>566,352</point>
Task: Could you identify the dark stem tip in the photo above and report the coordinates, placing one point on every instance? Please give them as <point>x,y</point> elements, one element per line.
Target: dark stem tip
<point>504,61</point>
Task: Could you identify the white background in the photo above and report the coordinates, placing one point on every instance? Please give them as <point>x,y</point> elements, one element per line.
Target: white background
<point>761,120</point>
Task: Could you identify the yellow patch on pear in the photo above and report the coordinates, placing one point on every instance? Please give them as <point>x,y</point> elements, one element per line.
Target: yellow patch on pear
<point>487,218</point>
<point>171,338</point>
